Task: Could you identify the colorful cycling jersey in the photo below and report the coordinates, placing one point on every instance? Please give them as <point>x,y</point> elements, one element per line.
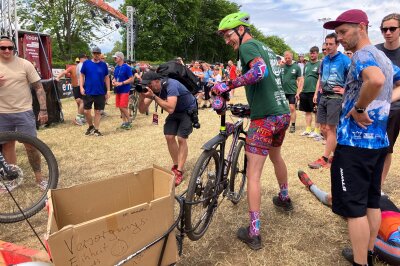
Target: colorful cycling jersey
<point>334,71</point>
<point>265,97</point>
<point>348,131</point>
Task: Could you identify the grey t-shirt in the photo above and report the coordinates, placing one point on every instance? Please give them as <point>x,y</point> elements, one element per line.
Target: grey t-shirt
<point>394,56</point>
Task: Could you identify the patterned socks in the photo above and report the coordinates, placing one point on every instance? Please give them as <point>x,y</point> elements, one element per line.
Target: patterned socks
<point>254,228</point>
<point>284,192</point>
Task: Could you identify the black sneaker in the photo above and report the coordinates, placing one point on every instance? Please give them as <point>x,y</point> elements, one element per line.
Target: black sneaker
<point>90,130</point>
<point>347,253</point>
<point>97,133</point>
<point>253,242</point>
<point>284,205</point>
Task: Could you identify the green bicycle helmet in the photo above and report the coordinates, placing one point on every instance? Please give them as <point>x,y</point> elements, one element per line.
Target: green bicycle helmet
<point>233,20</point>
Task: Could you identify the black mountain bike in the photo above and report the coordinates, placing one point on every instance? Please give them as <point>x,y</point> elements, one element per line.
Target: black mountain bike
<point>214,174</point>
<point>24,182</point>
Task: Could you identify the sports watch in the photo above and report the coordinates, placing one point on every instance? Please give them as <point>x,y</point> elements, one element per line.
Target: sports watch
<point>359,110</point>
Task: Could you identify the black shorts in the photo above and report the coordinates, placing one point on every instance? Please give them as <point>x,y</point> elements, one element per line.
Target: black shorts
<point>98,100</point>
<point>306,102</point>
<point>77,92</point>
<point>207,89</point>
<point>178,124</point>
<point>393,128</point>
<point>291,98</point>
<point>356,180</point>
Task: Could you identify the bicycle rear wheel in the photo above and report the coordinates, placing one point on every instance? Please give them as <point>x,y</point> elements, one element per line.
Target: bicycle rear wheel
<point>133,105</point>
<point>200,200</point>
<point>238,173</point>
<point>35,162</point>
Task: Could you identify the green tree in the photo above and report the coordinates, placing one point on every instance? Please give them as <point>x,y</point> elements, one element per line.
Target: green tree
<point>67,21</point>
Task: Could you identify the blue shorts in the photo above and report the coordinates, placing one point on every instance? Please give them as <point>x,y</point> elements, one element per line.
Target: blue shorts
<point>23,122</point>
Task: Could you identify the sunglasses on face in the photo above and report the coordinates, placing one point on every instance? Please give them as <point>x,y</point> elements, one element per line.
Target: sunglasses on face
<point>349,53</point>
<point>3,48</point>
<point>392,29</point>
<point>95,53</point>
<point>323,49</point>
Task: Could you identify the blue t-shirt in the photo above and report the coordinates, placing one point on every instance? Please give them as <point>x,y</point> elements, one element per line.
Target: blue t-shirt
<point>334,71</point>
<point>207,76</point>
<point>186,101</point>
<point>94,77</point>
<point>348,132</point>
<point>122,73</point>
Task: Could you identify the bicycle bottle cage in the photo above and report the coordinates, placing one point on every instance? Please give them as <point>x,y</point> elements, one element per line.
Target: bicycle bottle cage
<point>240,110</point>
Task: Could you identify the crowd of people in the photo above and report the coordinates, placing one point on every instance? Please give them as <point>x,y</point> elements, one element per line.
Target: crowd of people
<point>355,98</point>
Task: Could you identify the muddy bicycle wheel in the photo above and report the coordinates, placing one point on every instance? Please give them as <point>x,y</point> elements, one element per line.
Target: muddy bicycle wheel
<point>200,197</point>
<point>37,173</point>
<point>237,179</point>
<point>133,105</point>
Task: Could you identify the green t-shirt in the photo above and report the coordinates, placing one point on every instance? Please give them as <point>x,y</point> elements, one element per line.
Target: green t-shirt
<point>266,97</point>
<point>311,76</point>
<point>289,78</point>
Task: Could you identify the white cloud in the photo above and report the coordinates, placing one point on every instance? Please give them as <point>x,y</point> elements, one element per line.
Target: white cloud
<point>297,21</point>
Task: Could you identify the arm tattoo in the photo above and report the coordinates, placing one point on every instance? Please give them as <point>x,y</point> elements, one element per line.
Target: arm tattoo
<point>41,95</point>
<point>256,73</point>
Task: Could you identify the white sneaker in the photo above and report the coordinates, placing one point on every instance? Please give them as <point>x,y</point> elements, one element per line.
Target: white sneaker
<point>313,135</point>
<point>319,138</point>
<point>305,133</point>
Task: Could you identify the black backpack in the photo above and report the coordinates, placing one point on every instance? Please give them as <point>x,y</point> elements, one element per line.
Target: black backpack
<point>174,70</point>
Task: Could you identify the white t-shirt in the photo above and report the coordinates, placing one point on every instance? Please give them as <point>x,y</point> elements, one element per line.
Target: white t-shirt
<point>15,94</point>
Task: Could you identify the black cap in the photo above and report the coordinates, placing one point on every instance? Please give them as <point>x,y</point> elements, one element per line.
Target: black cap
<point>82,56</point>
<point>149,76</point>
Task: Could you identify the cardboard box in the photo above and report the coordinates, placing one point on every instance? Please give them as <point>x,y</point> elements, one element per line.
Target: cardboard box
<point>103,222</point>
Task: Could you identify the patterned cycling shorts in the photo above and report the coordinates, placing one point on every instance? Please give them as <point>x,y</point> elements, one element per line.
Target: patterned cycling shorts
<point>265,133</point>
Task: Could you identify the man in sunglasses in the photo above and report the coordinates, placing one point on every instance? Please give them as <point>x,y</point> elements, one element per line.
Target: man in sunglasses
<point>390,28</point>
<point>95,88</point>
<point>16,114</point>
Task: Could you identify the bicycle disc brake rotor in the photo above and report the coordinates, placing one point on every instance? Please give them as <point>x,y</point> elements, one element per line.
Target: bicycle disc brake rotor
<point>11,184</point>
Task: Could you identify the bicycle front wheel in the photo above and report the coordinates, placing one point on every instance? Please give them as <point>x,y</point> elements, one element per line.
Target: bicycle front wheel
<point>238,173</point>
<point>200,197</point>
<point>37,173</point>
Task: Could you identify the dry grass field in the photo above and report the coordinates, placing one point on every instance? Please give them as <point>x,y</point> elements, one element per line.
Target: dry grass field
<point>310,235</point>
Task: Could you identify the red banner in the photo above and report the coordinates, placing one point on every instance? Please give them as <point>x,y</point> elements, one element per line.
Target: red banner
<point>31,50</point>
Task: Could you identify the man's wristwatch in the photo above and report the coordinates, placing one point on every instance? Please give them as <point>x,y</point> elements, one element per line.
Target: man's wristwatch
<point>153,97</point>
<point>359,110</point>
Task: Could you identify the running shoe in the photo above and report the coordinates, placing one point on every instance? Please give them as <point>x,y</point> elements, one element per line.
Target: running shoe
<point>347,253</point>
<point>254,242</point>
<point>77,121</point>
<point>305,133</point>
<point>11,185</point>
<point>90,130</point>
<point>319,164</point>
<point>285,205</point>
<point>43,185</point>
<point>292,129</point>
<point>313,135</point>
<point>319,138</point>
<point>305,179</point>
<point>97,133</point>
<point>178,177</point>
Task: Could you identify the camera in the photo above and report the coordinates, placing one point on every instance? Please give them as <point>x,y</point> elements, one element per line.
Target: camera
<point>194,117</point>
<point>140,88</point>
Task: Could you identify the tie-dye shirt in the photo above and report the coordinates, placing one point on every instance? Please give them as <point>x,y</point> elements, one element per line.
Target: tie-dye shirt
<point>374,136</point>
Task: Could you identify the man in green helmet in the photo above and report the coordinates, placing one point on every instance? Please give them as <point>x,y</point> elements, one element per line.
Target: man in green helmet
<point>270,117</point>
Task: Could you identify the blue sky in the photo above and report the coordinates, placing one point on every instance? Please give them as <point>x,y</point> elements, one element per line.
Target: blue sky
<point>297,21</point>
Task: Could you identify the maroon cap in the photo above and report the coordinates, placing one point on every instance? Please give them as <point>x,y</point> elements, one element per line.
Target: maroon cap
<point>353,16</point>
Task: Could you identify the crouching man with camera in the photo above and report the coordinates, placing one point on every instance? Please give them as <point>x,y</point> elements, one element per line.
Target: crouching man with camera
<point>173,97</point>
